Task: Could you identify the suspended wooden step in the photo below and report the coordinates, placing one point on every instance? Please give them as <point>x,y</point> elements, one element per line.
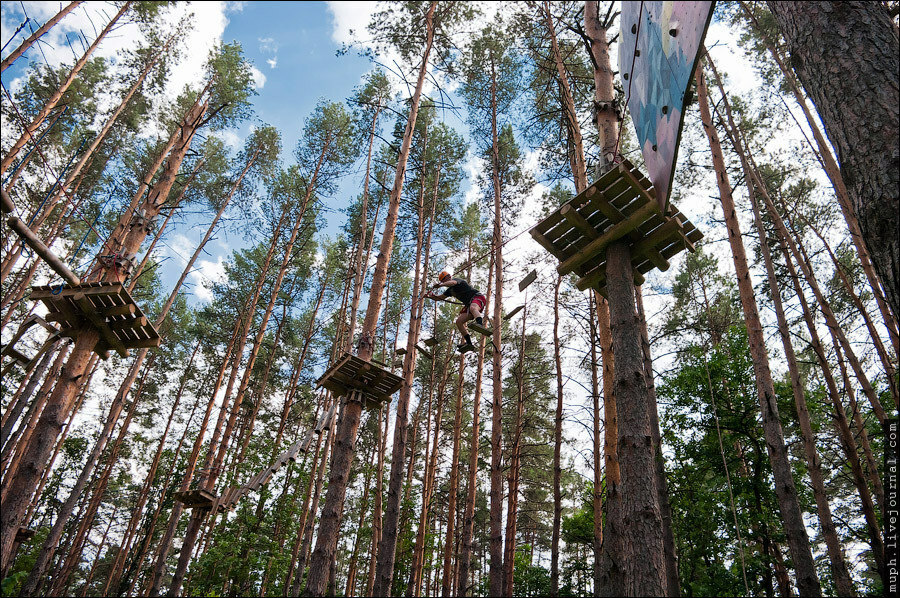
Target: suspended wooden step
<point>425,351</point>
<point>398,363</point>
<point>523,284</point>
<point>325,420</point>
<point>430,342</point>
<point>10,350</point>
<point>619,205</point>
<point>198,498</point>
<point>485,329</point>
<point>104,306</point>
<point>349,373</point>
<point>400,351</point>
<point>515,310</point>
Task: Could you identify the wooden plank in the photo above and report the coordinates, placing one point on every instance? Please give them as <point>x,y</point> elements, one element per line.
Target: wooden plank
<point>425,352</point>
<point>614,233</point>
<point>126,324</point>
<point>46,292</point>
<point>430,342</point>
<point>12,352</point>
<point>515,310</point>
<point>147,343</point>
<point>523,284</point>
<point>578,221</point>
<point>546,244</point>
<point>105,333</point>
<point>126,309</point>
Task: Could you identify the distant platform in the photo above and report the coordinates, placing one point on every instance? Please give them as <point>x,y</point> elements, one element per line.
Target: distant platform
<point>352,373</point>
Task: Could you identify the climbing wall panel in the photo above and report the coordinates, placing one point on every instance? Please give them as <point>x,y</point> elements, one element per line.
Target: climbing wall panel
<point>658,52</point>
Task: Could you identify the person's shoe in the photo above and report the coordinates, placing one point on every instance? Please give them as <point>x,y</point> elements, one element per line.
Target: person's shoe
<point>479,321</point>
<point>465,347</point>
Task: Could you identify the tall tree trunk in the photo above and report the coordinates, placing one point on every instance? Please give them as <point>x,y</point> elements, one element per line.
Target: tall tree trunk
<point>579,169</point>
<point>557,449</point>
<point>597,498</point>
<point>841,574</point>
<point>847,55</point>
<point>515,466</point>
<point>387,545</point>
<point>785,491</point>
<point>310,514</point>
<point>118,564</point>
<point>34,458</point>
<point>138,561</point>
<point>848,442</point>
<point>832,169</point>
<point>673,584</point>
<point>447,577</point>
<point>496,492</point>
<point>415,586</point>
<point>463,578</point>
<point>645,565</point>
<point>611,569</point>
<point>15,54</point>
<point>360,272</point>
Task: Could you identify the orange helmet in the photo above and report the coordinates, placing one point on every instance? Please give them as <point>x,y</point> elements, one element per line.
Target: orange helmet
<point>443,276</point>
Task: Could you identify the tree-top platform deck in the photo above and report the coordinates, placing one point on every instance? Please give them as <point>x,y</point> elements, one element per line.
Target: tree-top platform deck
<point>621,204</point>
<point>105,306</point>
<point>352,373</point>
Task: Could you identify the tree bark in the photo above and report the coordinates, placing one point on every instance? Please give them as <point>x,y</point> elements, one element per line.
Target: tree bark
<point>840,189</point>
<point>839,570</point>
<point>785,491</point>
<point>557,450</point>
<point>645,566</point>
<point>847,56</point>
<point>447,578</point>
<point>17,53</point>
<point>34,459</point>
<point>468,521</point>
<point>496,491</point>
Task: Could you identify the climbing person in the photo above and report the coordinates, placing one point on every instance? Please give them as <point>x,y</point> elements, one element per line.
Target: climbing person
<point>473,305</point>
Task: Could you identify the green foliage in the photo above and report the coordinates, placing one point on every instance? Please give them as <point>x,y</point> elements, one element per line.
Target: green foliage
<point>230,87</point>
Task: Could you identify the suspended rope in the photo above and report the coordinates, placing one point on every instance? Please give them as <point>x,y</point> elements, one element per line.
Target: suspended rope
<point>712,400</point>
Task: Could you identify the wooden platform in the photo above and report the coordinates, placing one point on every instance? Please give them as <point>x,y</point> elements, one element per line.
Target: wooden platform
<point>104,306</point>
<point>196,498</point>
<point>352,373</point>
<point>621,204</point>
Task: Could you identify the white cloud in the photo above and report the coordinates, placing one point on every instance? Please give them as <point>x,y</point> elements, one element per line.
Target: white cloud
<point>349,18</point>
<point>272,62</point>
<point>206,273</point>
<point>208,21</point>
<point>267,44</point>
<point>259,79</point>
<point>229,138</point>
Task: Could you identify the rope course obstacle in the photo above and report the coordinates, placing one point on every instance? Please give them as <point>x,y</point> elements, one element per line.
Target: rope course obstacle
<point>204,499</point>
<point>621,204</point>
<point>104,306</point>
